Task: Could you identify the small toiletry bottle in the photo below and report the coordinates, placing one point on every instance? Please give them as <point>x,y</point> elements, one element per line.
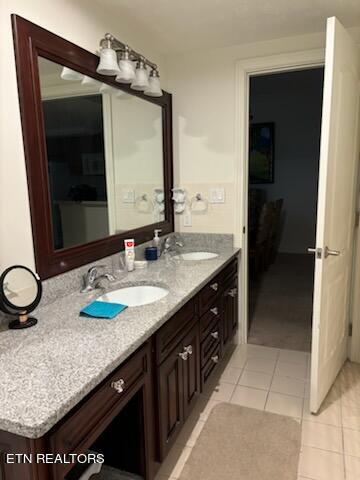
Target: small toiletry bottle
<point>156,240</point>
<point>130,254</point>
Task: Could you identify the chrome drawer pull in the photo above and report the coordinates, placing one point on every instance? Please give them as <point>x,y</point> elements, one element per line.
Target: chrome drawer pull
<point>215,358</point>
<point>215,335</point>
<point>232,292</point>
<point>214,286</point>
<point>189,349</point>
<point>118,385</point>
<point>214,310</point>
<point>183,356</point>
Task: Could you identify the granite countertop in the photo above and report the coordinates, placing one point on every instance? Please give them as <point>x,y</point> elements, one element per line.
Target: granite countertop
<point>46,370</point>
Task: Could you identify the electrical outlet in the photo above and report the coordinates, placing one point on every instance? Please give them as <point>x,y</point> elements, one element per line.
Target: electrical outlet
<point>217,195</point>
<point>128,196</point>
<point>187,219</point>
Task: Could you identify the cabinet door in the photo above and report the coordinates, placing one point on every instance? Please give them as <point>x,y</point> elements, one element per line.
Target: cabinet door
<point>191,368</point>
<point>171,399</point>
<point>230,310</point>
<point>234,294</point>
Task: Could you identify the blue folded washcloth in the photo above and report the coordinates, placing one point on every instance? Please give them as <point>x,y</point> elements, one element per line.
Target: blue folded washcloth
<point>102,309</point>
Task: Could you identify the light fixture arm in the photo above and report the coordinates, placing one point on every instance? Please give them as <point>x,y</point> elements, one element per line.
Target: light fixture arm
<point>110,41</point>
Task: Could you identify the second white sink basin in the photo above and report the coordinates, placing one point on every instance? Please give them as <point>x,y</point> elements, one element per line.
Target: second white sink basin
<point>197,255</point>
<point>135,296</point>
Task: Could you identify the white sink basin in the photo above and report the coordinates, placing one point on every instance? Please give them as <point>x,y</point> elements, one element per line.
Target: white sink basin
<point>197,256</point>
<point>135,296</point>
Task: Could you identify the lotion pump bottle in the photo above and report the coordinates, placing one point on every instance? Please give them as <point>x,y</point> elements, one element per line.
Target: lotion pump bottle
<point>130,254</point>
<point>156,240</point>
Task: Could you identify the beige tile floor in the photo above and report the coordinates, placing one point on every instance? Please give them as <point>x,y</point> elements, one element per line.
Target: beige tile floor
<point>278,381</point>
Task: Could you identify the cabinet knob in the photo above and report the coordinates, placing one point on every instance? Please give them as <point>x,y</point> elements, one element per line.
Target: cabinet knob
<point>215,334</point>
<point>214,310</point>
<point>215,358</point>
<point>183,355</point>
<point>188,349</point>
<point>118,385</point>
<point>214,286</point>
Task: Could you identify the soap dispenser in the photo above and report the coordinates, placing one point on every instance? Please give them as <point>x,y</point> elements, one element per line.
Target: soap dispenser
<point>156,240</point>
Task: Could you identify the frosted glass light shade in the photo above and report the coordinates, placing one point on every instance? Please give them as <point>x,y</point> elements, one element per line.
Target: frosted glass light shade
<point>89,82</point>
<point>154,88</point>
<point>127,71</point>
<point>141,81</point>
<point>105,88</point>
<point>108,62</point>
<point>69,74</point>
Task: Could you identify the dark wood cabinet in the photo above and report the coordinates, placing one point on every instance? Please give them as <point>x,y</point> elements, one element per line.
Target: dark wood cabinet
<point>149,396</point>
<point>191,369</point>
<point>170,399</point>
<point>230,310</point>
<point>179,386</point>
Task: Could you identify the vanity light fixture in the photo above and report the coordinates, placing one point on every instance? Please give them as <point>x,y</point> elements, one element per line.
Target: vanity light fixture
<point>154,89</point>
<point>90,82</point>
<point>117,58</point>
<point>127,67</point>
<point>69,74</point>
<point>141,81</point>
<point>108,59</point>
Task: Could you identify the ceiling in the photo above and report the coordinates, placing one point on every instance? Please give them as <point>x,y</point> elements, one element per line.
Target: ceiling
<point>175,26</point>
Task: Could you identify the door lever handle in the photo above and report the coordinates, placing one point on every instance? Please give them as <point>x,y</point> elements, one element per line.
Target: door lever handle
<point>317,251</point>
<point>328,252</point>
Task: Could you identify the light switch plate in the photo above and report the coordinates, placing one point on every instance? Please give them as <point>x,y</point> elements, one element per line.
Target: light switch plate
<point>217,195</point>
<point>128,196</point>
<point>187,219</point>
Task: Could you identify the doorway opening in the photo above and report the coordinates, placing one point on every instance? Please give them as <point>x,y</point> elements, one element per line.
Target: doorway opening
<point>284,144</point>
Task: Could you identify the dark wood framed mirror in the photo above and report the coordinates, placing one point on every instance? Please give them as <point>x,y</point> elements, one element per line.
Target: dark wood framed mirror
<point>98,154</point>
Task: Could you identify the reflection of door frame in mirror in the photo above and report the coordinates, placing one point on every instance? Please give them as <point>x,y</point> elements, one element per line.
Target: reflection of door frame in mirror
<point>30,42</point>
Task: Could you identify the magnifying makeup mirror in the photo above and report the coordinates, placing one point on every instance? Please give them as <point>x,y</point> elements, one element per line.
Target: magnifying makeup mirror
<point>20,294</point>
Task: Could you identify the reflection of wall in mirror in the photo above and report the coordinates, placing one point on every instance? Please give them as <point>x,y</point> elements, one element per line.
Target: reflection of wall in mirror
<point>20,287</point>
<point>137,160</point>
<point>133,150</point>
<point>83,222</point>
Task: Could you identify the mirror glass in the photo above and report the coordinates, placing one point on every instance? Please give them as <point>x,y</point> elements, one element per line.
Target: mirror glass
<point>20,287</point>
<point>105,157</point>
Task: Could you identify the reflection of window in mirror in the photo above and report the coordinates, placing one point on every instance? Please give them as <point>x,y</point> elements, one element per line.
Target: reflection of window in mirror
<point>105,157</point>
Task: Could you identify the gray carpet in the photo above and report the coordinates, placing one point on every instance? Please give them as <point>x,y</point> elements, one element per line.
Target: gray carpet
<point>280,304</point>
<point>239,443</point>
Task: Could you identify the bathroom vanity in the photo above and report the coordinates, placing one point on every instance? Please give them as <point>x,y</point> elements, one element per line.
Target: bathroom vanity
<point>134,415</point>
<point>122,387</point>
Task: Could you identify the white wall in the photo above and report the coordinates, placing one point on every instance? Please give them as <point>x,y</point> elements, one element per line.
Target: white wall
<point>203,85</point>
<point>293,102</point>
<point>81,22</point>
<point>137,145</point>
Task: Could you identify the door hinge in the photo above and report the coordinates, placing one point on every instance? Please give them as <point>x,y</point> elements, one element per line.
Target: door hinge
<point>244,230</point>
<point>357,219</point>
<point>350,329</point>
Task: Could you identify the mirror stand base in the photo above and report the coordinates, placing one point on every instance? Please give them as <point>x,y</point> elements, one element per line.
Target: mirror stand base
<point>17,324</point>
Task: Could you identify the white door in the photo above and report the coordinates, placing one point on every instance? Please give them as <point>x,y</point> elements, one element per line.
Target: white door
<point>339,157</point>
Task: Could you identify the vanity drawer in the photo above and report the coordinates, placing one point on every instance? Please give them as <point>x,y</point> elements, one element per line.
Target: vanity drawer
<point>212,339</point>
<point>215,287</point>
<point>207,320</point>
<point>209,294</point>
<point>210,366</point>
<point>230,271</point>
<point>169,334</point>
<point>82,426</point>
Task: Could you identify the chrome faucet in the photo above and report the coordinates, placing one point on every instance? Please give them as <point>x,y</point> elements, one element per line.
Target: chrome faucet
<point>92,279</point>
<point>170,244</point>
